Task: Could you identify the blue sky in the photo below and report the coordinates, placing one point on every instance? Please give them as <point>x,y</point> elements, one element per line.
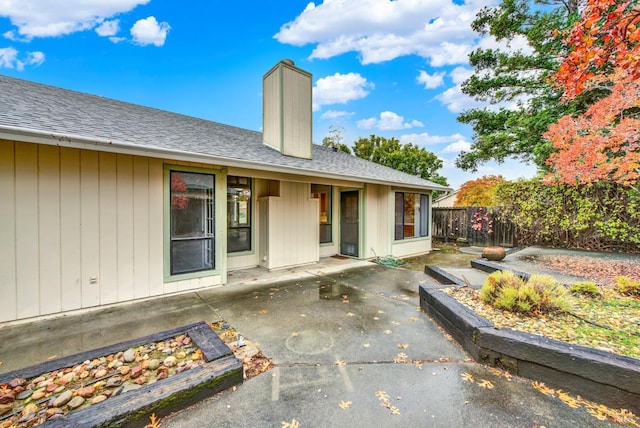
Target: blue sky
<point>390,68</point>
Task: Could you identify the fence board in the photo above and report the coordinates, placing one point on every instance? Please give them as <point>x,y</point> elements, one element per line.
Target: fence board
<point>475,225</point>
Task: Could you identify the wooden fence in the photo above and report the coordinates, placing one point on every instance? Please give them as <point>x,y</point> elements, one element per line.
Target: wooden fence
<point>474,225</point>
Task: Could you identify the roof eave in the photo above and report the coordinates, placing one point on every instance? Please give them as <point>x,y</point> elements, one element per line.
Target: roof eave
<point>78,141</point>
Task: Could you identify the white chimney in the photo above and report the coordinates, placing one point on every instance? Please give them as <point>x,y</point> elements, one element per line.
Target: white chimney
<point>286,110</point>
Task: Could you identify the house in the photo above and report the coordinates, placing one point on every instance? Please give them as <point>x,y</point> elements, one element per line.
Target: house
<point>446,200</point>
<point>105,201</point>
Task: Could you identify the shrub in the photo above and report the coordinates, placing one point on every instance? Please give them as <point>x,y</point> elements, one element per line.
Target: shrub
<point>505,290</point>
<point>496,282</point>
<point>587,288</point>
<point>626,285</point>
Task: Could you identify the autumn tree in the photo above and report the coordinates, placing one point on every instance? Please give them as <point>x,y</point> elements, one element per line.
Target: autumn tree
<point>521,100</point>
<point>603,143</point>
<point>407,158</point>
<point>479,192</point>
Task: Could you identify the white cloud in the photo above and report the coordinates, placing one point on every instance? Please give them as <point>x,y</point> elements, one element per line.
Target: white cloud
<point>453,98</point>
<point>336,115</point>
<point>340,89</point>
<point>9,59</point>
<point>35,58</point>
<point>430,81</point>
<point>149,32</point>
<point>389,121</point>
<point>382,30</point>
<point>108,28</point>
<point>457,147</point>
<point>424,139</point>
<point>38,18</point>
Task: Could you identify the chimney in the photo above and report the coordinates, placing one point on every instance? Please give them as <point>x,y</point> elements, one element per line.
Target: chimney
<point>286,110</point>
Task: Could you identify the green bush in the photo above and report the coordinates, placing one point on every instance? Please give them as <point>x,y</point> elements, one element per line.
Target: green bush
<point>626,285</point>
<point>541,294</point>
<point>589,216</point>
<point>586,288</point>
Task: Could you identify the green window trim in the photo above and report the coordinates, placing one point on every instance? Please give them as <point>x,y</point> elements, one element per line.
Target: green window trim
<point>411,215</point>
<point>191,217</point>
<point>324,193</point>
<point>239,215</point>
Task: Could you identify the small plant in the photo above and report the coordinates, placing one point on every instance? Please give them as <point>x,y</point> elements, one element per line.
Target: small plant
<point>541,294</point>
<point>627,286</point>
<point>585,288</point>
<point>496,282</point>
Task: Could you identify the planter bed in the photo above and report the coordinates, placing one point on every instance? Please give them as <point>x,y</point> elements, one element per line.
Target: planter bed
<point>596,375</point>
<point>204,366</point>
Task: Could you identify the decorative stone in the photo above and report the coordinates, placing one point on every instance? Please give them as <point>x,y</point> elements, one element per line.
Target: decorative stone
<point>38,394</point>
<point>129,356</point>
<point>75,402</point>
<point>52,387</point>
<point>69,377</point>
<point>5,408</point>
<point>63,399</point>
<point>98,399</point>
<point>100,373</point>
<point>136,372</point>
<point>181,355</point>
<point>113,381</point>
<point>170,361</point>
<point>154,363</point>
<point>494,253</point>
<point>86,391</point>
<point>59,389</point>
<point>162,373</point>
<point>124,370</point>
<point>24,394</point>
<point>17,382</point>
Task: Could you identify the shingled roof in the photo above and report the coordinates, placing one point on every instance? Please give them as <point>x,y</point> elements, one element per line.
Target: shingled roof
<point>53,115</point>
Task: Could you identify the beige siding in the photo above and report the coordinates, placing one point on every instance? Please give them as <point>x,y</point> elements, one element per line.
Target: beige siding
<point>378,225</point>
<point>411,247</point>
<point>80,229</point>
<point>271,119</point>
<point>49,229</point>
<point>70,236</point>
<point>89,227</point>
<point>26,248</point>
<point>292,225</point>
<point>296,107</point>
<point>8,289</point>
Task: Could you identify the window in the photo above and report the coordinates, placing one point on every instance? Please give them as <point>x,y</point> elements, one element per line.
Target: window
<point>411,215</point>
<point>238,214</point>
<point>323,192</point>
<point>192,222</point>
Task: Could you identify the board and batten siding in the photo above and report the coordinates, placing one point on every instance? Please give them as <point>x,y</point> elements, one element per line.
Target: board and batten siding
<point>80,228</point>
<point>291,220</point>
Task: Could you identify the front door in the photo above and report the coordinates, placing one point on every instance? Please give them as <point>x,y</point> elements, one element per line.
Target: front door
<point>349,224</point>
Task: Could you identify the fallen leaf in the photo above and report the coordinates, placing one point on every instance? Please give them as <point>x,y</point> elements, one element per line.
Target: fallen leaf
<point>341,363</point>
<point>568,400</point>
<point>350,314</point>
<point>366,345</point>
<point>387,331</point>
<point>263,312</point>
<point>294,334</point>
<point>414,318</point>
<point>53,357</point>
<point>293,424</point>
<point>403,345</point>
<point>345,405</point>
<point>467,377</point>
<point>485,384</point>
<point>543,388</point>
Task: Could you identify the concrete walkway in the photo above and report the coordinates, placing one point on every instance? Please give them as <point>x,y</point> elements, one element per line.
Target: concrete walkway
<point>351,348</point>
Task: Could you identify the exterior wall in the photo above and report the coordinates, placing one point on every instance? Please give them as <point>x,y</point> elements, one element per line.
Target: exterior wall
<point>379,223</point>
<point>292,223</point>
<point>80,228</point>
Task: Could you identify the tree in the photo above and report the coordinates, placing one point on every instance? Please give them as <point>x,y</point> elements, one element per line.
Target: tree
<point>334,140</point>
<point>478,193</point>
<point>517,79</point>
<point>407,158</point>
<point>603,143</point>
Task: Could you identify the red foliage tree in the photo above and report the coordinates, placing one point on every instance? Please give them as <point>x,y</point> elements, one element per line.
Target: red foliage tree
<point>604,142</point>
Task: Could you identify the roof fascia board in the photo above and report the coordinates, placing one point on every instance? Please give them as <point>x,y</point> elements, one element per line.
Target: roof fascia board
<point>74,141</point>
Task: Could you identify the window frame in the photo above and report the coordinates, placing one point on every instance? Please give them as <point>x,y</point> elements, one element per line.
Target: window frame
<point>217,260</point>
<point>250,216</point>
<point>424,205</point>
<point>328,224</point>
